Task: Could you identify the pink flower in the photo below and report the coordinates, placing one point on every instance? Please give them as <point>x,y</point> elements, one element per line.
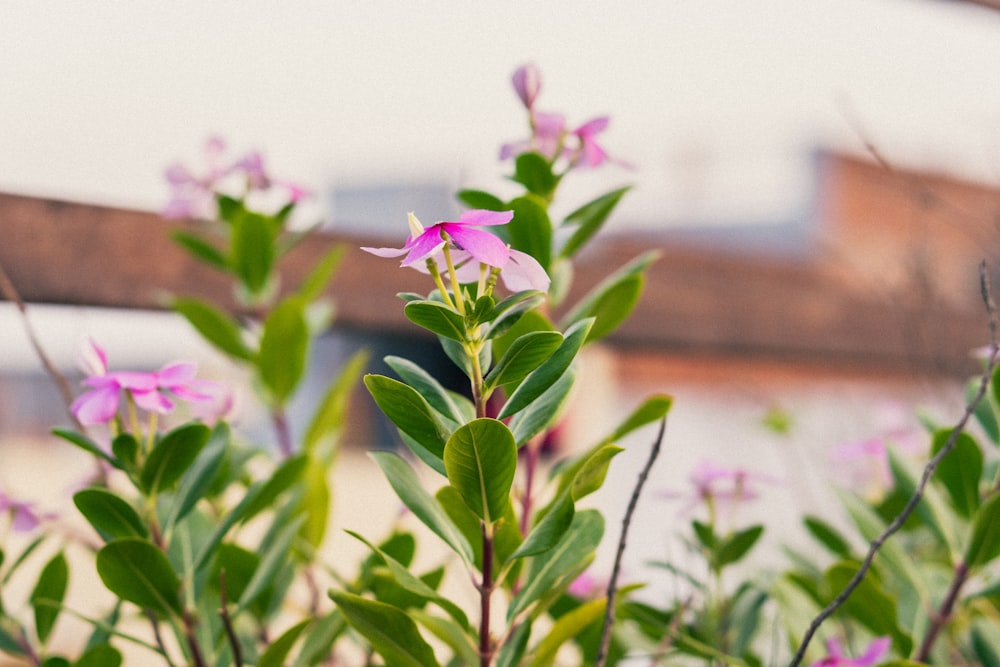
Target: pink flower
<point>24,517</point>
<point>589,153</point>
<point>153,392</point>
<point>483,246</point>
<point>527,81</point>
<point>522,272</point>
<point>872,655</point>
<point>721,487</point>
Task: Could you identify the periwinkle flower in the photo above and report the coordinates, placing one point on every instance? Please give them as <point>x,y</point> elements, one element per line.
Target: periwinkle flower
<point>527,81</point>
<point>24,517</point>
<point>589,153</point>
<point>153,392</point>
<point>836,658</point>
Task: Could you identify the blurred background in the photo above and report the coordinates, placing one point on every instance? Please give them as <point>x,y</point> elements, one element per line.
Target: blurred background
<point>809,295</point>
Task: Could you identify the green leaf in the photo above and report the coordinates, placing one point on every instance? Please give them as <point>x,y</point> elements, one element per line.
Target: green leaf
<point>534,172</point>
<point>456,352</point>
<point>275,654</point>
<point>279,481</point>
<point>529,322</point>
<point>410,491</point>
<point>509,312</point>
<point>321,435</point>
<point>567,627</point>
<point>319,638</point>
<point>126,448</point>
<point>200,248</point>
<point>612,300</point>
<point>531,230</point>
<point>316,503</point>
<point>437,318</point>
<point>284,348</point>
<point>109,514</point>
<point>522,357</point>
<point>428,387</point>
<point>549,530</point>
<point>590,476</point>
<point>216,327</point>
<point>544,411</point>
<point>545,375</point>
<point>409,411</point>
<point>986,410</point>
<point>136,571</point>
<point>589,219</point>
<point>828,536</point>
<point>253,250</point>
<point>172,456</point>
<point>55,661</point>
<point>480,459</point>
<point>48,594</point>
<point>653,409</point>
<point>277,556</point>
<point>737,545</point>
<point>558,563</point>
<point>200,477</point>
<point>87,445</point>
<point>315,284</point>
<point>413,584</point>
<point>984,545</point>
<point>392,633</point>
<point>960,471</point>
<point>869,604</point>
<point>481,200</point>
<point>101,655</point>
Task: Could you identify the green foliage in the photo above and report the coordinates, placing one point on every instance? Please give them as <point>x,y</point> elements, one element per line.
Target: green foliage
<point>135,570</point>
<point>47,596</point>
<point>480,458</point>
<point>392,633</point>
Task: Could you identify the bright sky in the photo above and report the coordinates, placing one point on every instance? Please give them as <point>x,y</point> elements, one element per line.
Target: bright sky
<point>718,103</point>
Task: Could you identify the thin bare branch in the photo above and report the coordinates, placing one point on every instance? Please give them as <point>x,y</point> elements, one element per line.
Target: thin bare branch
<point>929,469</point>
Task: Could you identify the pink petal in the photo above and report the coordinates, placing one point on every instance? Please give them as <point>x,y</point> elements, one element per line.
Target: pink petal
<point>134,380</point>
<point>481,218</point>
<point>425,245</point>
<point>97,406</point>
<point>592,127</point>
<point>95,359</point>
<point>176,374</point>
<point>876,650</point>
<point>386,252</point>
<point>527,82</point>
<point>485,247</point>
<point>152,401</point>
<point>523,272</point>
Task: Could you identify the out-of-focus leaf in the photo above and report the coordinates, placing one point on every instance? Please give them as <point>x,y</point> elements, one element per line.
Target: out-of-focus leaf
<point>316,282</point>
<point>534,172</point>
<point>216,327</point>
<point>200,248</point>
<point>736,546</point>
<point>828,536</point>
<point>589,219</point>
<point>253,250</point>
<point>109,514</point>
<point>392,634</point>
<point>869,604</point>
<point>199,479</point>
<point>137,571</point>
<point>274,655</point>
<point>567,627</point>
<point>611,301</point>
<point>283,478</point>
<point>87,445</point>
<point>531,230</point>
<point>481,200</point>
<point>284,348</point>
<point>47,596</point>
<point>321,435</point>
<point>960,471</point>
<point>101,655</point>
<point>172,456</point>
<point>984,545</point>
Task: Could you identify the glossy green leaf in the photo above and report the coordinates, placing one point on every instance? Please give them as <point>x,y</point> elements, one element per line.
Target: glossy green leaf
<point>253,250</point>
<point>523,356</point>
<point>409,411</point>
<point>590,476</point>
<point>550,529</point>
<point>589,219</point>
<point>101,655</point>
<point>87,445</point>
<point>428,387</point>
<point>960,471</point>
<point>411,492</point>
<point>437,318</point>
<point>544,411</point>
<point>652,409</point>
<point>215,326</point>
<point>506,314</point>
<point>984,545</point>
<point>200,248</point>
<point>321,435</point>
<point>531,230</point>
<point>136,571</point>
<point>172,456</point>
<point>456,352</point>
<point>534,172</point>
<point>549,568</point>
<point>480,459</point>
<point>284,348</point>
<point>567,627</point>
<point>736,546</point>
<point>392,634</point>
<point>480,199</point>
<point>529,322</point>
<point>48,594</point>
<point>546,375</point>
<point>278,650</point>
<point>612,300</point>
<point>933,509</point>
<point>126,448</point>
<point>109,514</point>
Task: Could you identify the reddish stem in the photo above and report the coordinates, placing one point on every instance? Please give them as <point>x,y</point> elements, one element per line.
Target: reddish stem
<point>940,619</point>
<point>485,591</point>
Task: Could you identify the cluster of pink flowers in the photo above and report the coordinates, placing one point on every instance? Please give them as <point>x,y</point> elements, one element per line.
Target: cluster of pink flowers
<point>153,392</point>
<point>518,270</point>
<point>550,134</point>
<point>193,196</point>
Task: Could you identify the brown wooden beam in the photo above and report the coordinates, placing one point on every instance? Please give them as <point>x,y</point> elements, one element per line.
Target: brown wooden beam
<point>697,300</point>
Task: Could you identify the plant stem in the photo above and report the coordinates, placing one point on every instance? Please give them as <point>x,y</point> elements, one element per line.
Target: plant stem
<point>485,592</point>
<point>944,613</point>
<point>196,657</point>
<point>283,431</point>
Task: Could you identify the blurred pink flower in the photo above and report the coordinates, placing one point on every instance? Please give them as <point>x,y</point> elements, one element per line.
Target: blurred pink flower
<point>864,464</point>
<point>24,517</point>
<point>483,246</point>
<point>872,655</point>
<point>589,153</point>
<point>721,488</point>
<point>152,392</point>
<point>527,81</point>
